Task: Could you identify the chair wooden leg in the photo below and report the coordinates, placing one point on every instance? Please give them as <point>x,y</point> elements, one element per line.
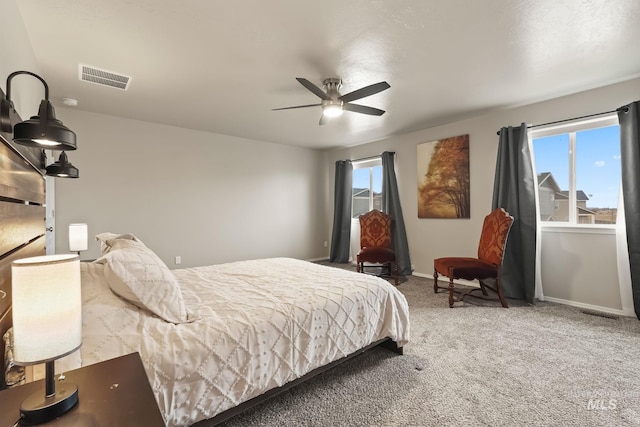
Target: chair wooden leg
<point>435,282</point>
<point>503,300</point>
<point>451,290</point>
<point>483,288</point>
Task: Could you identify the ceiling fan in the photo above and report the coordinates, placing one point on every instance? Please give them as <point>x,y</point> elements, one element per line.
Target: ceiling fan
<point>333,104</point>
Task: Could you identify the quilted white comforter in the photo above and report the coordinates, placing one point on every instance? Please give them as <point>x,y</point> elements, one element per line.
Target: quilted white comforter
<point>259,324</point>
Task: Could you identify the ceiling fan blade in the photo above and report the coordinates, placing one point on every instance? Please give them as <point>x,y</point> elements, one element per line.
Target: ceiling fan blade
<point>323,120</point>
<point>313,88</point>
<point>298,106</point>
<point>365,91</point>
<point>362,109</point>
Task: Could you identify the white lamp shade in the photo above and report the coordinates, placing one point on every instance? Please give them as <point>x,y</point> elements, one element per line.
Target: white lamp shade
<point>78,237</point>
<point>47,307</point>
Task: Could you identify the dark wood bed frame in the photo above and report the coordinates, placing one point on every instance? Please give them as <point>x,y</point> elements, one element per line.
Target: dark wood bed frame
<point>22,217</point>
<point>225,415</point>
<point>22,234</point>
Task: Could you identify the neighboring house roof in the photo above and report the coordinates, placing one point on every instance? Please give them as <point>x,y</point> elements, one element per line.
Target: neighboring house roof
<point>545,179</point>
<point>360,192</point>
<point>585,211</point>
<point>580,195</point>
<point>543,176</point>
<point>363,192</point>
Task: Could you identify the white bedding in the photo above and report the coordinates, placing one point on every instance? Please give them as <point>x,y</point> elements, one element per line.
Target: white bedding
<point>259,324</point>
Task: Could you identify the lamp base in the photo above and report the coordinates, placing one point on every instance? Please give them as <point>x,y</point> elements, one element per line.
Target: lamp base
<point>38,409</point>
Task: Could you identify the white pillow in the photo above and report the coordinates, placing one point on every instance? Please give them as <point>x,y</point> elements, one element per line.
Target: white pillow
<point>139,276</point>
<point>104,239</point>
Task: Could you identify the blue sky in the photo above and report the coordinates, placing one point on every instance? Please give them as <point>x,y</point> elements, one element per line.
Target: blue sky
<point>361,178</point>
<point>597,163</point>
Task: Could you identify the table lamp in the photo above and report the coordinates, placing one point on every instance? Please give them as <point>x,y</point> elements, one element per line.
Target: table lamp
<point>77,237</point>
<point>47,325</point>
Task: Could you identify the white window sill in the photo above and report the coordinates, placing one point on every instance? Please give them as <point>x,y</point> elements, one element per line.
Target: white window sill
<point>578,228</point>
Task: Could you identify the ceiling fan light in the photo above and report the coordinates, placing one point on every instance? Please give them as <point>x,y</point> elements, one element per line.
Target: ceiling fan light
<point>332,110</point>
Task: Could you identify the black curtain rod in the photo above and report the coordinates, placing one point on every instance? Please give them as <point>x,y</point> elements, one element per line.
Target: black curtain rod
<point>625,109</point>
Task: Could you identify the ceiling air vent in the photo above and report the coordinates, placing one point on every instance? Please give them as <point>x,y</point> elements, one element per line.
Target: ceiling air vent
<point>104,78</point>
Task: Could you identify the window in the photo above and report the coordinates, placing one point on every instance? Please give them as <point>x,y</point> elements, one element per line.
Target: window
<point>578,168</point>
<point>367,187</point>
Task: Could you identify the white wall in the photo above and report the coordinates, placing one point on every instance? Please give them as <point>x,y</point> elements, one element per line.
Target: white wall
<point>581,280</point>
<point>16,55</point>
<point>208,198</point>
<point>581,267</point>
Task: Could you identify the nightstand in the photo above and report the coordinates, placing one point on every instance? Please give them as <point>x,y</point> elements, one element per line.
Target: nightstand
<point>114,393</point>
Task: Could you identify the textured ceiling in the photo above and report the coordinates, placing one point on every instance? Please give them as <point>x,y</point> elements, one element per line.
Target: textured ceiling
<point>221,66</point>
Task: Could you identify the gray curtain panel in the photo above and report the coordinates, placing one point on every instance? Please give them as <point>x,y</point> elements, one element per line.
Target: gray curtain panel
<point>391,205</point>
<point>629,119</point>
<point>514,190</point>
<point>341,233</point>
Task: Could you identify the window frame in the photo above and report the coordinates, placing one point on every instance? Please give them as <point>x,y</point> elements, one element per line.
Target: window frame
<point>366,164</point>
<point>571,128</point>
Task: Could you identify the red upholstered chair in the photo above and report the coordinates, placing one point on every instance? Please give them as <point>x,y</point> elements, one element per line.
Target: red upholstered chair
<point>493,239</point>
<point>375,243</point>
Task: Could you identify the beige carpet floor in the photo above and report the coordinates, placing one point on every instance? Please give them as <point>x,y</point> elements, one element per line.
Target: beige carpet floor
<point>477,365</point>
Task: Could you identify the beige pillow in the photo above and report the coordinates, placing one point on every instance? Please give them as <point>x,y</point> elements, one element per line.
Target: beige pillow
<point>138,275</point>
<point>104,239</point>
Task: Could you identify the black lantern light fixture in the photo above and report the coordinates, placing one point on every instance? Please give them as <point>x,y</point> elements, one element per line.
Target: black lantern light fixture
<point>62,168</point>
<point>43,130</point>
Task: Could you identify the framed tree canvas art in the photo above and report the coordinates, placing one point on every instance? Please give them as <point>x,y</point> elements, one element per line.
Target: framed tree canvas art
<point>443,178</point>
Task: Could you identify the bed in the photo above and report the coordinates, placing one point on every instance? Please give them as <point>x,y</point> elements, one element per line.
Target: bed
<point>251,327</point>
<point>240,333</point>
